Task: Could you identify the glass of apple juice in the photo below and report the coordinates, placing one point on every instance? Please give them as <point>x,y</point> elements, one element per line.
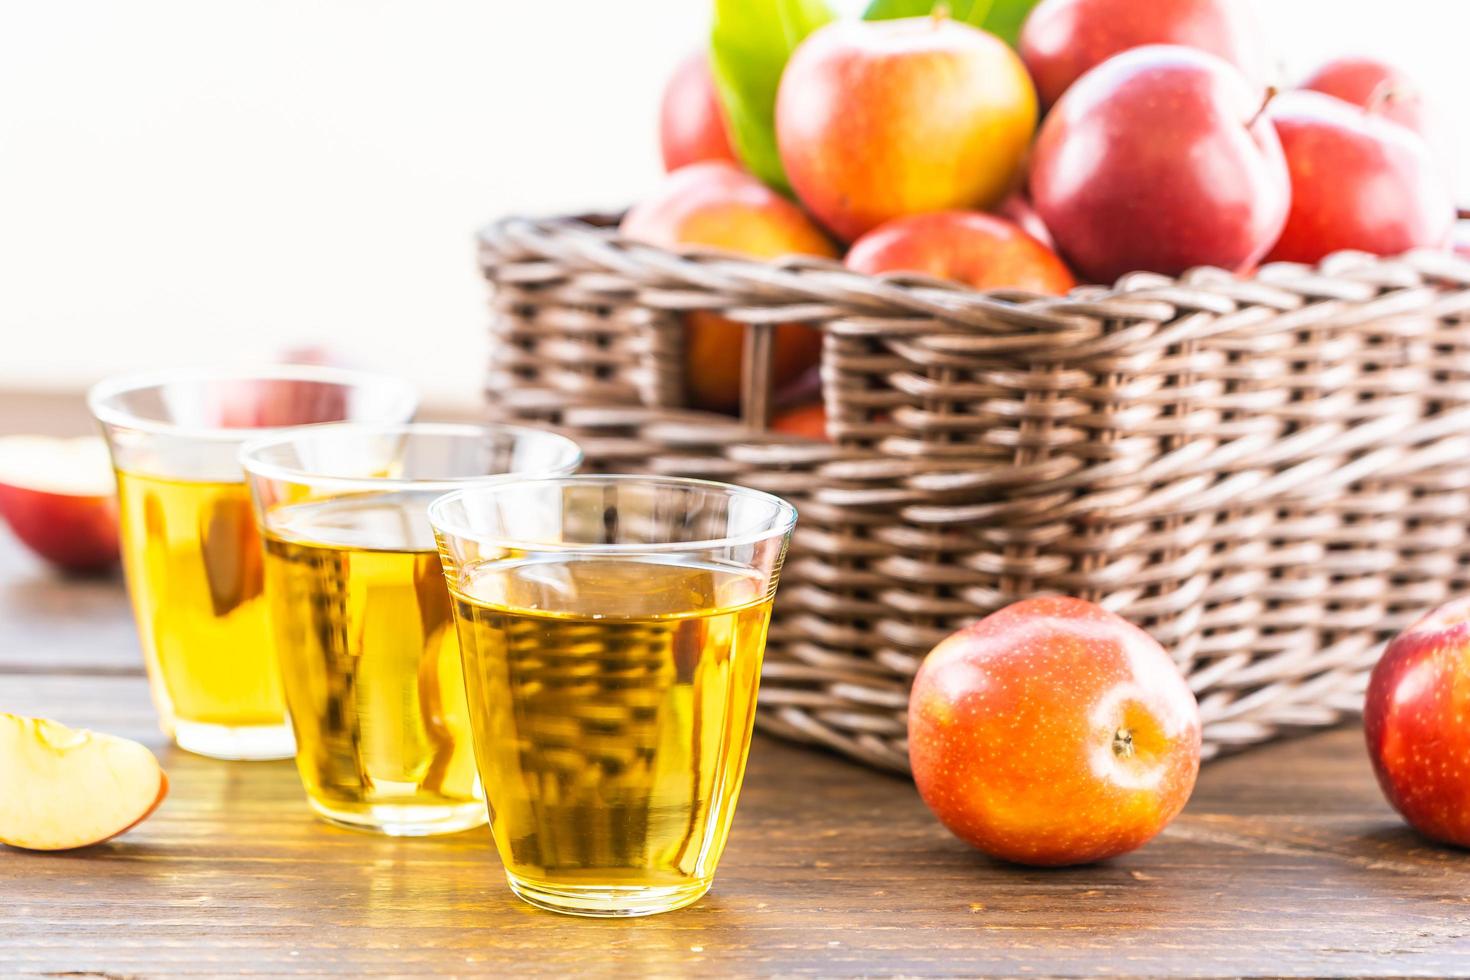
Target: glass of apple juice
<point>361,616</point>
<point>191,551</point>
<point>612,629</point>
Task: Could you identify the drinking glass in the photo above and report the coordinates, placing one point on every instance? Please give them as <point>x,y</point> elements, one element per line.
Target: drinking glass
<point>191,552</point>
<point>361,618</point>
<point>612,629</point>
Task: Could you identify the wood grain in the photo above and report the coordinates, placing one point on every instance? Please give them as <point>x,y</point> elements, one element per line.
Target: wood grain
<point>1286,862</point>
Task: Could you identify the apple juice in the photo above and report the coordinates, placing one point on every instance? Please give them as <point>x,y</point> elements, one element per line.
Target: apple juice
<point>612,701</point>
<point>192,558</point>
<point>371,664</point>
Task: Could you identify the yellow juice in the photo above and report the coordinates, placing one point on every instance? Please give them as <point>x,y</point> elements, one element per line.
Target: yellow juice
<point>613,700</point>
<point>192,557</point>
<point>371,664</point>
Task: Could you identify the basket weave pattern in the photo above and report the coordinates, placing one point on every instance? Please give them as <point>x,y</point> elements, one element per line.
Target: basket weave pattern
<point>1269,474</point>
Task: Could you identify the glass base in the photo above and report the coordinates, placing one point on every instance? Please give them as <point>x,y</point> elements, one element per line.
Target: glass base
<point>405,819</point>
<point>250,743</point>
<point>607,901</point>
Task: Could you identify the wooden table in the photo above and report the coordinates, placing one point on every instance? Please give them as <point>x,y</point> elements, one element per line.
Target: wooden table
<point>1286,861</point>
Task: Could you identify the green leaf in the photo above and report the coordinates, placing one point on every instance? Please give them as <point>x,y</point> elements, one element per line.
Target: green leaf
<point>1003,18</point>
<point>749,44</point>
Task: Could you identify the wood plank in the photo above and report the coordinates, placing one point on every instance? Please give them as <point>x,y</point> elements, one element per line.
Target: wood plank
<point>1285,862</point>
<point>50,623</point>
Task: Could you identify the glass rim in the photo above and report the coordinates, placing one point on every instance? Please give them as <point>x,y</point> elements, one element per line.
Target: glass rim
<point>782,524</point>
<point>101,394</point>
<point>256,467</point>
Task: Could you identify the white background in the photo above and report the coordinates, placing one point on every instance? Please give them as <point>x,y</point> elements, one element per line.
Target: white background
<point>203,180</point>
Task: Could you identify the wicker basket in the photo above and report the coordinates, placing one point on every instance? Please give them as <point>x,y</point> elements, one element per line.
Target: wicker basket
<point>1268,474</point>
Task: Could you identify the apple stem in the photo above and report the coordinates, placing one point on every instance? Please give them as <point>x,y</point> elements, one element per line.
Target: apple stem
<point>1123,743</point>
<point>1271,92</point>
<point>1383,93</point>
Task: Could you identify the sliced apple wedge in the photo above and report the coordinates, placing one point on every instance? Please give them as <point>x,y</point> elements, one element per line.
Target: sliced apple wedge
<point>59,498</point>
<point>62,787</point>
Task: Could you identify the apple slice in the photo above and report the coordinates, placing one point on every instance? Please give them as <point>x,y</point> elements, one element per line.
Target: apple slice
<point>59,498</point>
<point>62,787</point>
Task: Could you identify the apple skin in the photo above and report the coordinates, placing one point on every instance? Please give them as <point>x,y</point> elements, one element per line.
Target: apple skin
<point>878,119</point>
<point>804,420</point>
<point>76,533</point>
<point>1062,40</point>
<point>1159,160</point>
<point>1053,732</point>
<point>718,205</point>
<point>691,123</point>
<point>1357,181</point>
<point>1017,207</point>
<point>1414,722</point>
<point>982,251</point>
<point>63,788</point>
<point>1388,92</point>
<point>59,498</point>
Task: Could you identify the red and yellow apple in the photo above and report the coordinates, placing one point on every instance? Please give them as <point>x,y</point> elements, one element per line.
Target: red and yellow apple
<point>980,250</point>
<point>59,497</point>
<point>691,122</point>
<point>1414,721</point>
<point>1159,159</point>
<point>1053,732</point>
<point>720,206</point>
<point>62,788</point>
<point>875,120</point>
<point>1385,91</point>
<point>1358,181</point>
<point>1063,39</point>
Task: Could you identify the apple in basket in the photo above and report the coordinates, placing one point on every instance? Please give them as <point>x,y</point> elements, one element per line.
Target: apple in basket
<point>879,119</point>
<point>59,497</point>
<point>803,420</point>
<point>982,251</point>
<point>1415,724</point>
<point>1358,181</point>
<point>691,123</point>
<point>1062,39</point>
<point>1387,92</point>
<point>62,788</point>
<point>718,205</point>
<point>1160,159</point>
<point>1053,732</point>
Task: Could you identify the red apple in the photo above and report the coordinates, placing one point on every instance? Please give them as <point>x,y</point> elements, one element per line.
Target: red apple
<point>269,403</point>
<point>1053,732</point>
<point>1414,720</point>
<point>1017,207</point>
<point>1357,181</point>
<point>718,205</point>
<point>62,788</point>
<point>1062,39</point>
<point>980,250</point>
<point>1159,159</point>
<point>260,403</point>
<point>804,420</point>
<point>878,119</point>
<point>691,123</point>
<point>59,497</point>
<point>1383,90</point>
